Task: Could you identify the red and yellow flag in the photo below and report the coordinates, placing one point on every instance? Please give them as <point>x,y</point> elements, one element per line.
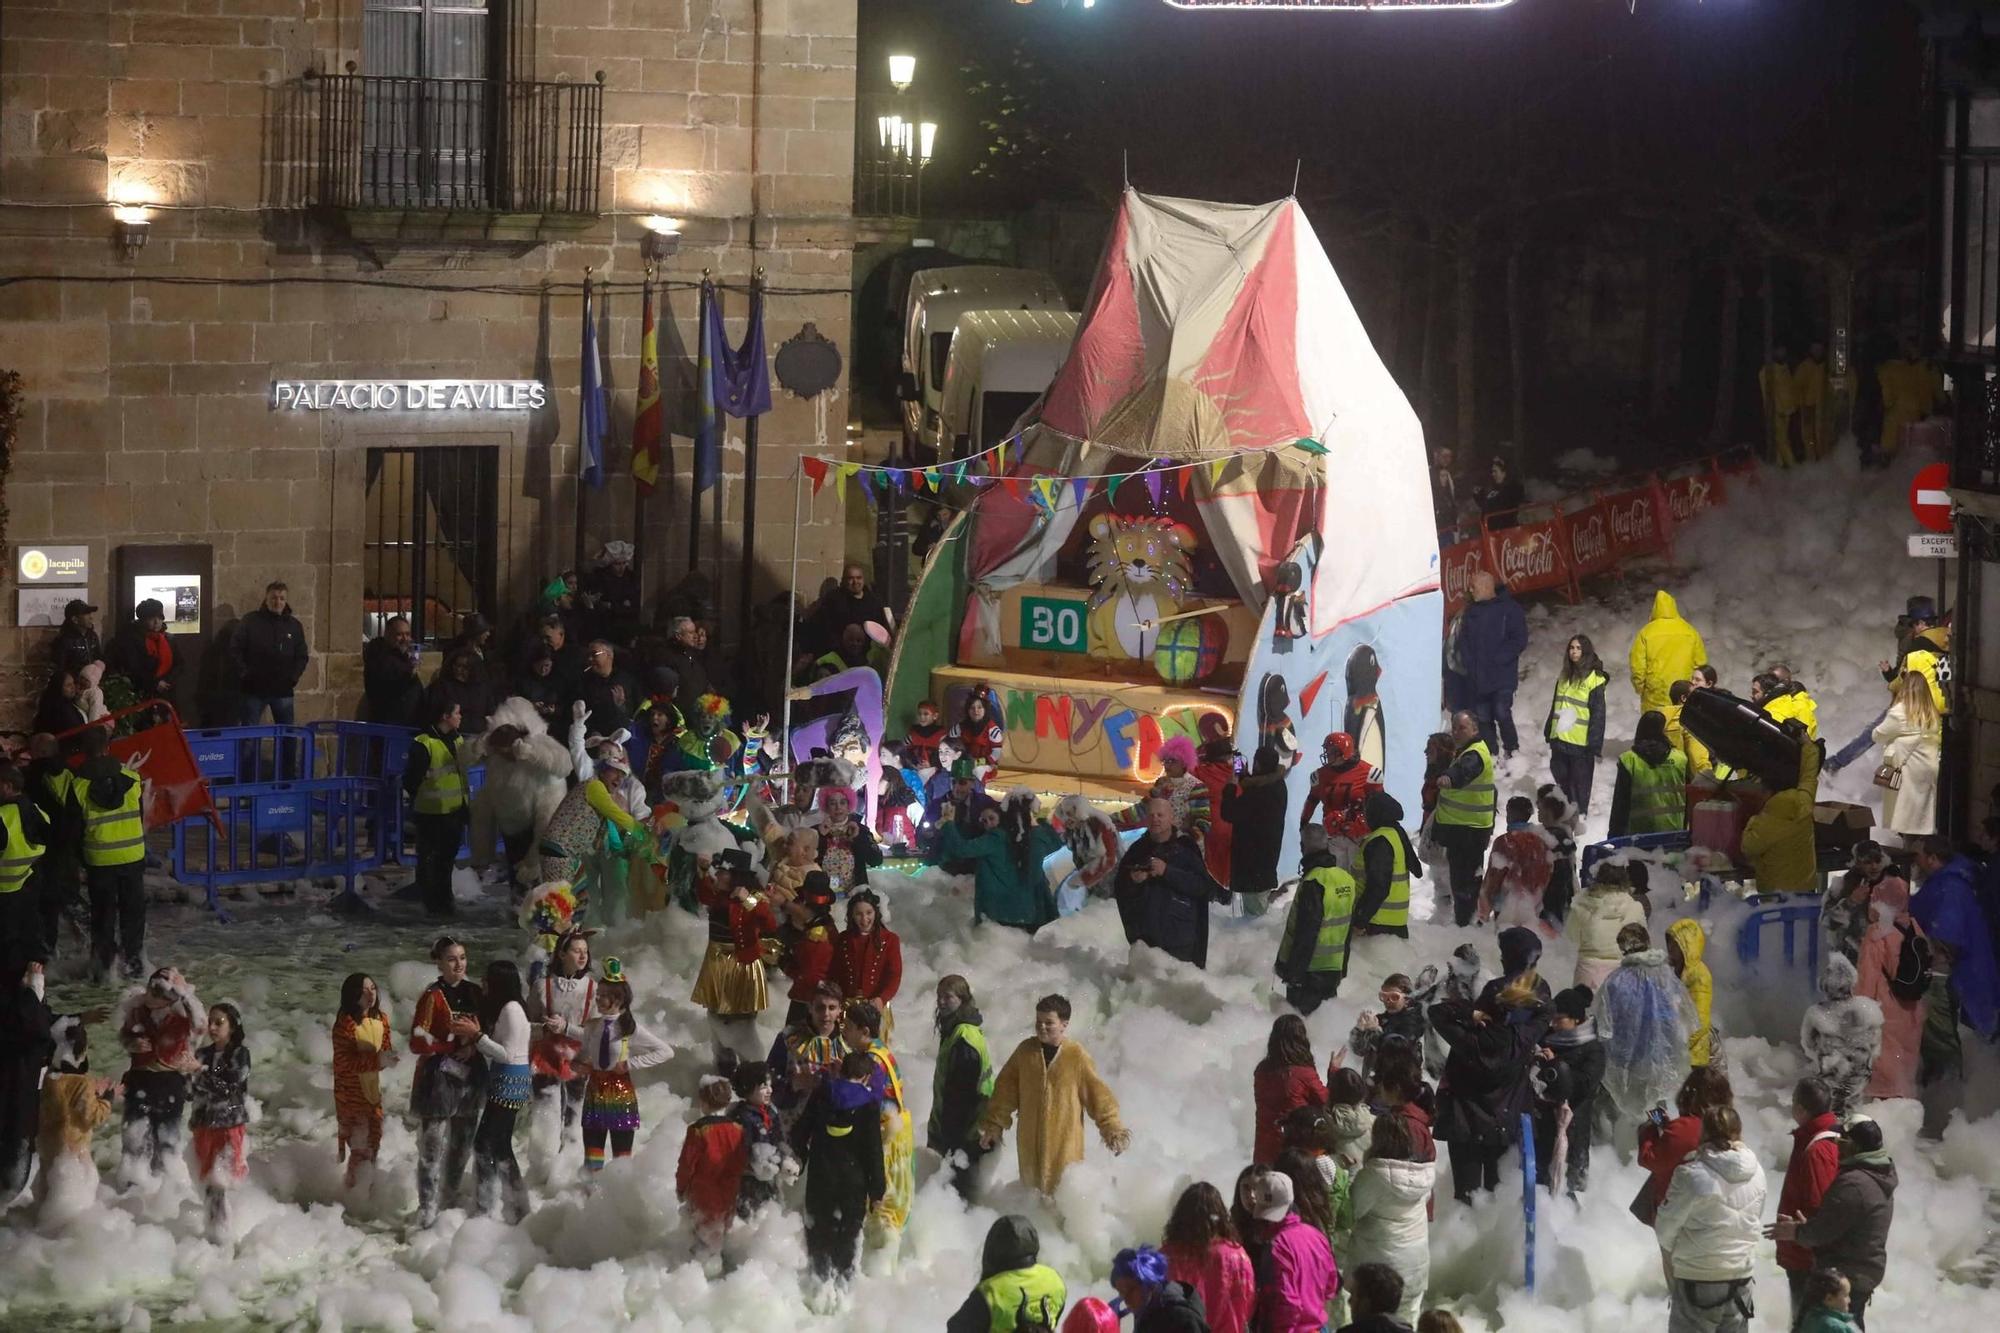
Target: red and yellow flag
<point>647,425</point>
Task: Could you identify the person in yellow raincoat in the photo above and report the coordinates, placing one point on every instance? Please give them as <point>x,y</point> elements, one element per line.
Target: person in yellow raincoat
<point>1778,840</point>
<point>1686,942</point>
<point>1780,403</point>
<point>863,1032</point>
<point>1665,650</point>
<point>1783,699</point>
<point>1809,396</point>
<point>1699,759</point>
<point>1910,389</point>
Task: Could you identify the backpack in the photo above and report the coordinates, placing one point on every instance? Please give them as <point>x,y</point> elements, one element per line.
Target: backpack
<point>1912,978</point>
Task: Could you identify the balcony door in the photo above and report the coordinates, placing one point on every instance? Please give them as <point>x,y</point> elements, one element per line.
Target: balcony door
<point>427,122</point>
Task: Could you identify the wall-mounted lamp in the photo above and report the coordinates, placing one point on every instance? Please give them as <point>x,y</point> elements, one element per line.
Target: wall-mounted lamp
<point>663,237</point>
<point>130,229</point>
<point>902,72</point>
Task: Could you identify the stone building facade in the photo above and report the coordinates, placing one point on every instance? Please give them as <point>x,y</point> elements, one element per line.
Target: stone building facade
<point>406,190</point>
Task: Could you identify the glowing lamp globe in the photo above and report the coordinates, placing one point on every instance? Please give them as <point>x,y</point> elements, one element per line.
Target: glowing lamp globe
<point>1189,651</point>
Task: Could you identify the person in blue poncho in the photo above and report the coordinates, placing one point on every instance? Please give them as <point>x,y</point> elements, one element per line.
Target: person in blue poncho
<point>1643,1015</point>
<point>1946,905</point>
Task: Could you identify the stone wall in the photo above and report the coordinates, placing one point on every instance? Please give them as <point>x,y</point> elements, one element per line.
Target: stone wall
<point>148,416</point>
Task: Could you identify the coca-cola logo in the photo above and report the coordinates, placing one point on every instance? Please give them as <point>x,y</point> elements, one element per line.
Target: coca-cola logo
<point>1632,521</point>
<point>1588,541</point>
<point>1530,556</point>
<point>1458,573</point>
<point>1687,498</point>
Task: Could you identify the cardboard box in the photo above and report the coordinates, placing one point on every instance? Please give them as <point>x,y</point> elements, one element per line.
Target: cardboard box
<point>1837,825</point>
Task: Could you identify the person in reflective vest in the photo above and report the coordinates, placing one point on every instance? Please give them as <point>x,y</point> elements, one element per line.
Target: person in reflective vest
<point>1575,728</point>
<point>26,836</point>
<point>1651,795</point>
<point>1463,823</point>
<point>1387,861</point>
<point>59,883</point>
<point>105,802</point>
<point>1312,954</point>
<point>434,778</point>
<point>964,1084</point>
<point>1015,1291</point>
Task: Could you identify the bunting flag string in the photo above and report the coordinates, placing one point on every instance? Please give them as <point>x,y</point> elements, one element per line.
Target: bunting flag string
<point>815,472</point>
<point>938,475</point>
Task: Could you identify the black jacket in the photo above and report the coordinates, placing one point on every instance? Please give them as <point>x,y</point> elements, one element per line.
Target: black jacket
<point>1376,1323</point>
<point>57,715</point>
<point>218,1096</point>
<point>839,1141</point>
<point>101,784</point>
<point>1174,1307</point>
<point>1170,912</point>
<point>1574,1076</point>
<point>1851,1229</point>
<point>417,765</point>
<point>65,827</point>
<point>1655,752</point>
<point>546,693</point>
<point>1255,809</point>
<point>129,657</point>
<point>1011,1243</point>
<point>75,649</point>
<point>607,712</point>
<point>270,653</point>
<point>690,671</point>
<point>957,1104</point>
<point>33,825</point>
<point>1308,912</point>
<point>25,1049</point>
<point>389,682</point>
<point>1378,864</point>
<point>1486,1085</point>
<point>474,699</point>
<point>613,602</point>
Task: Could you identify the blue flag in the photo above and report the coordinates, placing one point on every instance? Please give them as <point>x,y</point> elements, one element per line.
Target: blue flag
<point>707,430</point>
<point>595,415</point>
<point>742,375</point>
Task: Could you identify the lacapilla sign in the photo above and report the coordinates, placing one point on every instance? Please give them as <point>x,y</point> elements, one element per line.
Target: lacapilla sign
<point>408,395</point>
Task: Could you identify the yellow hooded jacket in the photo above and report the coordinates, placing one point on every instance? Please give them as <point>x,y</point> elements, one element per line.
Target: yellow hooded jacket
<point>1687,933</point>
<point>1697,755</point>
<point>1665,650</point>
<point>1796,704</point>
<point>1778,840</point>
<point>1925,651</point>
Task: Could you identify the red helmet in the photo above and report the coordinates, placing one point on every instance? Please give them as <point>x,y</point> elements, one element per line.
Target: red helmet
<point>1339,747</point>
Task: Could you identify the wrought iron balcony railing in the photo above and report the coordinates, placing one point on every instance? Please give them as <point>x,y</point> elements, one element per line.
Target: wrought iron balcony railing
<point>477,145</point>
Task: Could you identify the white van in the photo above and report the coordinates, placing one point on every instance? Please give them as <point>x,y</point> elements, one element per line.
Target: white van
<point>938,297</point>
<point>1001,361</point>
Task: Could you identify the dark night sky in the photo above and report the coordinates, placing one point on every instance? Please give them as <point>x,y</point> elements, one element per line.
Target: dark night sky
<point>1546,95</point>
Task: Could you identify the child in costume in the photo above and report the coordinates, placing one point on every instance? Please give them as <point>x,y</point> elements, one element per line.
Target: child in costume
<point>899,1143</point>
<point>839,1140</point>
<point>157,1024</point>
<point>920,743</point>
<point>561,1003</point>
<point>1842,1034</point>
<point>1555,814</point>
<point>1517,869</point>
<point>801,858</point>
<point>1400,1022</point>
<point>731,985</point>
<point>847,850</point>
<point>868,957</point>
<point>980,735</point>
<point>220,1115</point>
<point>709,1176</point>
<point>582,831</point>
<point>362,1047</point>
<point>503,1040</point>
<point>768,1159</point>
<point>896,799</point>
<point>809,942</point>
<point>1340,788</point>
<point>613,1046</point>
<point>445,1095</point>
<point>74,1104</point>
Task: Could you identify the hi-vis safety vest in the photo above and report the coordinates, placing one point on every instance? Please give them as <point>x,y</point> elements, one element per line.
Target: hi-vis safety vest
<point>17,861</point>
<point>1658,801</point>
<point>443,790</point>
<point>1575,696</point>
<point>973,1037</point>
<point>1336,915</point>
<point>1037,1292</point>
<point>1395,909</point>
<point>1470,806</point>
<point>115,837</point>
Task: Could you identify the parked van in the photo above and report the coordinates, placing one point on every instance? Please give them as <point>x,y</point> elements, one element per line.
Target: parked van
<point>1001,361</point>
<point>938,297</point>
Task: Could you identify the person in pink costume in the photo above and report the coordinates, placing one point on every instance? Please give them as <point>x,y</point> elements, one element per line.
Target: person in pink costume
<point>1902,1020</point>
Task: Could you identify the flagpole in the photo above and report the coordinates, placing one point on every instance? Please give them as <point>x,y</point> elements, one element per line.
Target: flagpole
<point>583,428</point>
<point>749,484</point>
<point>694,470</point>
<point>792,612</point>
<point>639,496</point>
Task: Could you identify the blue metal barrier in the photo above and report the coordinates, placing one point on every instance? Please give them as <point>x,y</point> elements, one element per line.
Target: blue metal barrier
<point>230,755</point>
<point>1677,841</point>
<point>1794,917</point>
<point>272,831</point>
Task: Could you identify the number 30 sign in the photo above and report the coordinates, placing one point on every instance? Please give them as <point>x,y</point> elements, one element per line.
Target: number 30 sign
<point>1053,624</point>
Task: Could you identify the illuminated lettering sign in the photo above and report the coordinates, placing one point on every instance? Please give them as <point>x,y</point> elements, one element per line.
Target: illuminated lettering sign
<point>408,395</point>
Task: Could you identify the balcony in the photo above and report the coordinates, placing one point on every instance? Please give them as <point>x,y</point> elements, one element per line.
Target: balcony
<point>399,158</point>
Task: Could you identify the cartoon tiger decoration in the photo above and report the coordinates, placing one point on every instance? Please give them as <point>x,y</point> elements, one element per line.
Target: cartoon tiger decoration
<point>1139,575</point>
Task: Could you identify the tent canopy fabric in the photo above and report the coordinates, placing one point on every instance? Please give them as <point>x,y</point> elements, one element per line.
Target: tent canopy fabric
<point>1220,332</point>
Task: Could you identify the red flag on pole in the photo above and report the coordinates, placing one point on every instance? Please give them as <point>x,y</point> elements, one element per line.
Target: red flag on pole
<point>647,425</point>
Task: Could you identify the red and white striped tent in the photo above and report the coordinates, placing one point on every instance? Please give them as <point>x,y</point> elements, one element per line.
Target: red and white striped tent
<point>1220,333</point>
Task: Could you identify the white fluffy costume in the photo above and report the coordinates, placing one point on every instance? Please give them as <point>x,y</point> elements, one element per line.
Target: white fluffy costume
<point>527,775</point>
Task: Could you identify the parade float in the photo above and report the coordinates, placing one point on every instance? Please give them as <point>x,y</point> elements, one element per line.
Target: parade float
<point>1216,522</point>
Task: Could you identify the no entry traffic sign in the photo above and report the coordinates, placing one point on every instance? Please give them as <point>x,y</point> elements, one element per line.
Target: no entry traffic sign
<point>1928,501</point>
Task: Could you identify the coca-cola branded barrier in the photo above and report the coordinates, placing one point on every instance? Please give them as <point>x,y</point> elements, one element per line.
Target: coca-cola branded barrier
<point>1590,533</point>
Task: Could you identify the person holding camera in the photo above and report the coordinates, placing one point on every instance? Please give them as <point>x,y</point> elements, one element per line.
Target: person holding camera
<point>1666,1142</point>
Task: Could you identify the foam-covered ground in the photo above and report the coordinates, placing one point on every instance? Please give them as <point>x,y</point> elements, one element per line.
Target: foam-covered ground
<point>1809,569</point>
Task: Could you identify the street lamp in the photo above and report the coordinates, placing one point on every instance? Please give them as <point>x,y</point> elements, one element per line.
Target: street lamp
<point>926,136</point>
<point>902,72</point>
